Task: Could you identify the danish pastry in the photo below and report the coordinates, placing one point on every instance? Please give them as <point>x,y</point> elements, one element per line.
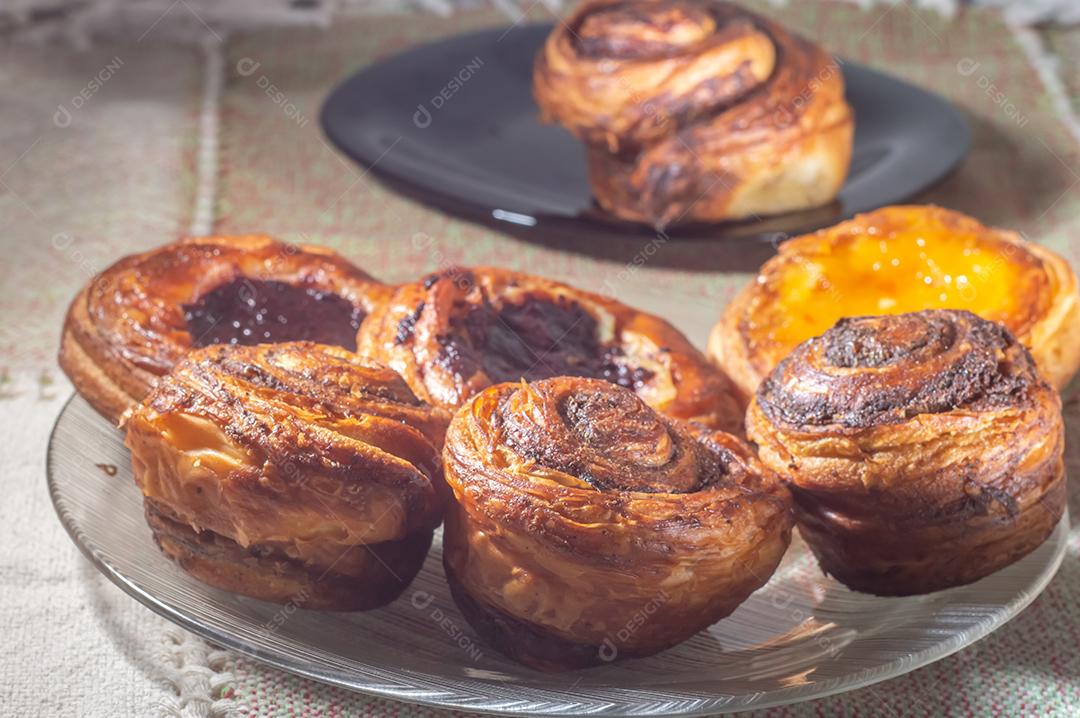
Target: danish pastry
<point>578,508</point>
<point>293,472</point>
<point>132,322</point>
<point>896,260</point>
<point>923,450</point>
<point>696,110</point>
<point>456,332</point>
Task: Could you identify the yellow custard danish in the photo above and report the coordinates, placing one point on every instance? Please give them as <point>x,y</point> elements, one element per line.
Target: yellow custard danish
<point>897,260</point>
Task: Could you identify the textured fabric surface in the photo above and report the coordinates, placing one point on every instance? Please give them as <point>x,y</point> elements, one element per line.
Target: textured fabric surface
<point>118,173</point>
<point>86,174</point>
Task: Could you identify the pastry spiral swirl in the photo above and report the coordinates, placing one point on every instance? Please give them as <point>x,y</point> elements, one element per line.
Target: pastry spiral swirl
<point>578,508</point>
<point>291,472</point>
<point>454,333</point>
<point>132,323</point>
<point>896,260</point>
<point>923,450</point>
<point>696,109</point>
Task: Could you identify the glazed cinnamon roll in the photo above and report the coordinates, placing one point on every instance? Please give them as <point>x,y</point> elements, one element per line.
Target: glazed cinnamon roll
<point>296,472</point>
<point>133,321</point>
<point>696,110</point>
<point>896,260</point>
<point>586,527</point>
<point>923,450</point>
<point>456,332</point>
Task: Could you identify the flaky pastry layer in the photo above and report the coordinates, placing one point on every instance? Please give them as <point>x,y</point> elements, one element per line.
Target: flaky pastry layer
<point>457,332</point>
<point>290,451</point>
<point>696,110</point>
<point>130,324</point>
<point>923,450</point>
<point>587,527</point>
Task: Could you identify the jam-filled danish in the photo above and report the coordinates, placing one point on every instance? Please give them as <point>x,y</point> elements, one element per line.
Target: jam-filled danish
<point>896,260</point>
<point>923,450</point>
<point>456,332</point>
<point>577,506</point>
<point>132,322</point>
<point>291,472</point>
<point>696,110</point>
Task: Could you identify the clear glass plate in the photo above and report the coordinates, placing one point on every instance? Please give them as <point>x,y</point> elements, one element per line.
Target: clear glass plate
<point>802,636</point>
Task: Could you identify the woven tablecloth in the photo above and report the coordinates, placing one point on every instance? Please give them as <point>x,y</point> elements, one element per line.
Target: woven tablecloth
<point>130,144</point>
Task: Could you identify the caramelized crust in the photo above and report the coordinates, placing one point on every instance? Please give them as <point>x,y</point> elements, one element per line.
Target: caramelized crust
<point>135,320</point>
<point>587,527</point>
<point>277,467</point>
<point>452,334</point>
<point>895,260</point>
<point>923,450</point>
<point>696,110</point>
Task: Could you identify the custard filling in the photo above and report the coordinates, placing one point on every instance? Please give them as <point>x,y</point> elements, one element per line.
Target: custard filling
<point>874,271</point>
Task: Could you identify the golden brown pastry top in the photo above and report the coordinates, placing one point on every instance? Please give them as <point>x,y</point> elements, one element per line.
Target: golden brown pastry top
<point>622,73</point>
<point>933,426</point>
<point>142,310</point>
<point>870,371</point>
<point>896,260</point>
<point>589,465</point>
<point>293,443</point>
<point>461,330</point>
<point>676,91</point>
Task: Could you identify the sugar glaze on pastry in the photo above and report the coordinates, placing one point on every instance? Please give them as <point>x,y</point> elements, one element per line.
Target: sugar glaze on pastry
<point>457,332</point>
<point>923,450</point>
<point>576,504</point>
<point>134,321</point>
<point>291,472</point>
<point>696,110</point>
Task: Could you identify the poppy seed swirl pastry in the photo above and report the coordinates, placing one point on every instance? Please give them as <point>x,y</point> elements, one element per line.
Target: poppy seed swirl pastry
<point>578,509</point>
<point>895,260</point>
<point>132,323</point>
<point>696,110</point>
<point>295,472</point>
<point>923,450</point>
<point>458,331</point>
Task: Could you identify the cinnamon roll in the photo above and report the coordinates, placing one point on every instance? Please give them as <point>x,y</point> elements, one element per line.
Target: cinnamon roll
<point>131,323</point>
<point>456,332</point>
<point>296,472</point>
<point>923,450</point>
<point>895,260</point>
<point>586,527</point>
<point>696,110</point>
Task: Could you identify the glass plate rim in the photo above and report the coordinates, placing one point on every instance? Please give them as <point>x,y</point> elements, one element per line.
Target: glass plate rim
<point>717,705</point>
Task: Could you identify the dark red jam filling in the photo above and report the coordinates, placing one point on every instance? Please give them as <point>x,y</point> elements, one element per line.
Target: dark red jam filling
<point>536,339</point>
<point>246,311</point>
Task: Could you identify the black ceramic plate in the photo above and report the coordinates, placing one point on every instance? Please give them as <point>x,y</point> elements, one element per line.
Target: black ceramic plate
<point>454,124</point>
